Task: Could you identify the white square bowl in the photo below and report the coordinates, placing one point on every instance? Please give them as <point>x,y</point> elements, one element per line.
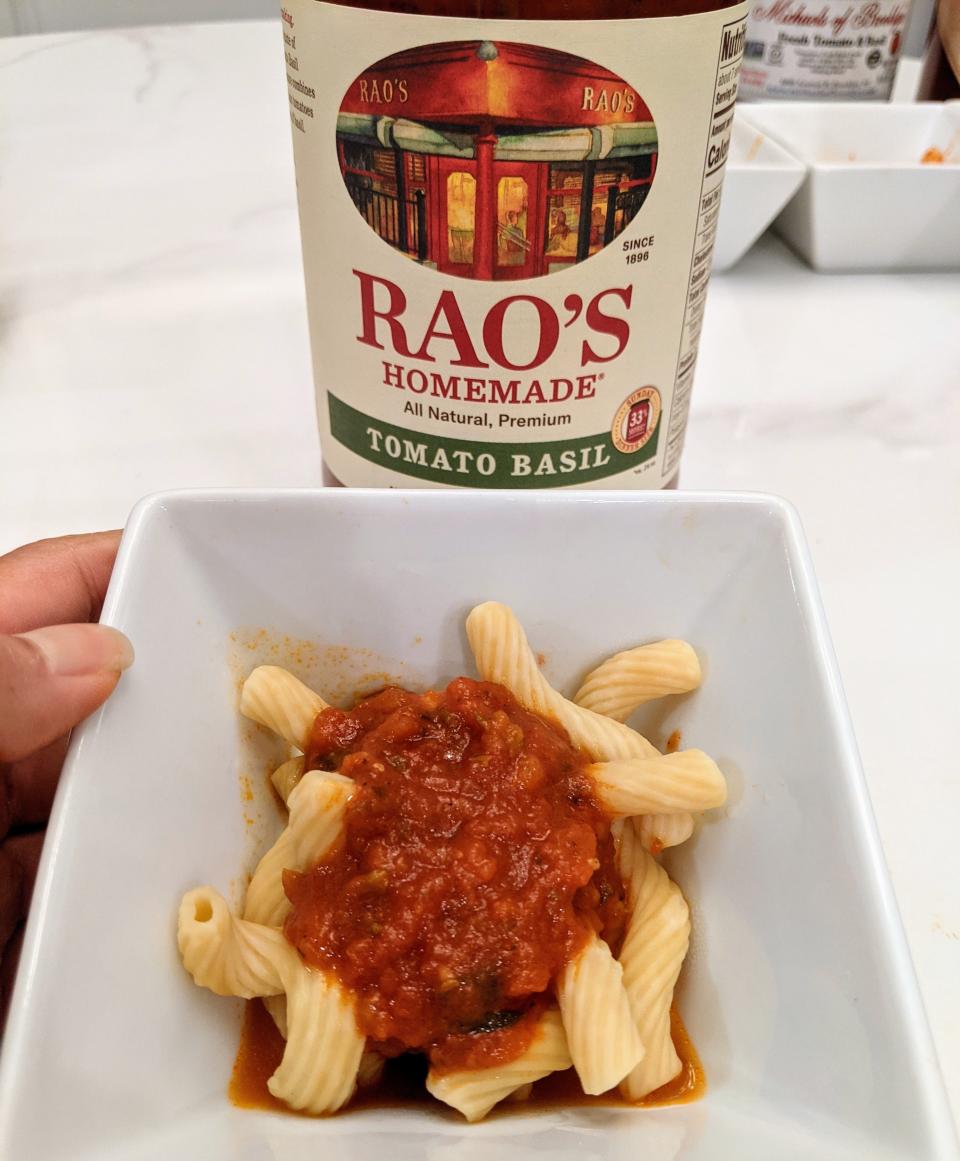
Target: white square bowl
<point>868,202</point>
<point>760,178</point>
<point>799,991</point>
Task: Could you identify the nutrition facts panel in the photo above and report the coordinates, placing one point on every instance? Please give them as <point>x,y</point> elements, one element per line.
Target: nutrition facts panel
<point>725,95</point>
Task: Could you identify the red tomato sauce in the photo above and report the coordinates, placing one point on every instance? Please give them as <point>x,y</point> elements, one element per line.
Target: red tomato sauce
<point>474,864</point>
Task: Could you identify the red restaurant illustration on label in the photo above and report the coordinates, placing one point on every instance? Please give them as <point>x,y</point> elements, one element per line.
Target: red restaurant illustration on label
<point>494,160</point>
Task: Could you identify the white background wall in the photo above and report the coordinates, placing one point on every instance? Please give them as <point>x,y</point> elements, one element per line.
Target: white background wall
<point>26,16</point>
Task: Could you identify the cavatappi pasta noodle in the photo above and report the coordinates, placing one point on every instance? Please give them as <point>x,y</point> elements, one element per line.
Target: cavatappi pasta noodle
<point>468,874</point>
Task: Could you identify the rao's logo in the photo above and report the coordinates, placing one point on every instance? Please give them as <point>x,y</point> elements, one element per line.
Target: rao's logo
<point>495,160</point>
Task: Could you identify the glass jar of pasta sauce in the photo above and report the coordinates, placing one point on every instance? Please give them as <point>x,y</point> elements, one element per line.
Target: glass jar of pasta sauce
<point>508,210</point>
<point>823,50</point>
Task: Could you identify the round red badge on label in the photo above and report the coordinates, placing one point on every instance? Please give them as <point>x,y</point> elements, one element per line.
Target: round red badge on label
<point>636,419</point>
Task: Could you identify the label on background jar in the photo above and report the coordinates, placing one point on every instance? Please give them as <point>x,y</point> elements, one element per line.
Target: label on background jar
<point>822,50</point>
<point>507,230</point>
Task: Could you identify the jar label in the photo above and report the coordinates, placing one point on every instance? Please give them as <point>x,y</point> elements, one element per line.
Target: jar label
<point>507,230</point>
<point>823,49</point>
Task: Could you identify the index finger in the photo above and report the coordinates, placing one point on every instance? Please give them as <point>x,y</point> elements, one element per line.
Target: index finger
<point>56,582</point>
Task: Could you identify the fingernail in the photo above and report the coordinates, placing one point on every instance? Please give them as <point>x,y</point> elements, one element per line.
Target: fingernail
<point>81,650</point>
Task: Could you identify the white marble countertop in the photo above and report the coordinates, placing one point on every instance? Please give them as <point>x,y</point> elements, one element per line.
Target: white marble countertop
<point>153,335</point>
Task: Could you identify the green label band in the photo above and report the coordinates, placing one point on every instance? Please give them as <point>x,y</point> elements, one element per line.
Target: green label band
<point>477,464</point>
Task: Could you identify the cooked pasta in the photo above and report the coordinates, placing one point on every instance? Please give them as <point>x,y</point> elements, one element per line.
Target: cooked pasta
<point>474,1092</point>
<point>623,683</point>
<point>274,698</point>
<point>653,951</point>
<point>286,776</point>
<point>371,1069</point>
<point>603,1040</point>
<point>453,874</point>
<point>318,1072</point>
<point>659,831</point>
<point>503,654</point>
<point>668,784</point>
<point>317,804</point>
<point>627,680</point>
<point>230,956</point>
<point>234,957</point>
<point>276,1007</point>
<point>523,1093</point>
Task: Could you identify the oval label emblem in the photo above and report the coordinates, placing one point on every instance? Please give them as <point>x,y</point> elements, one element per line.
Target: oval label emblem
<point>494,160</point>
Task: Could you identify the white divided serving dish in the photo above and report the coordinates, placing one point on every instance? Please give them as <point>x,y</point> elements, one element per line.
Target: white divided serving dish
<point>760,178</point>
<point>799,992</point>
<point>868,201</point>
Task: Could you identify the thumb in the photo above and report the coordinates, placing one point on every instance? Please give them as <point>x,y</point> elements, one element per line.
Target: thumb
<point>52,678</point>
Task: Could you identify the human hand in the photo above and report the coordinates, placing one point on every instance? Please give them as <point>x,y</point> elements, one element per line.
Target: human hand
<point>55,669</point>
